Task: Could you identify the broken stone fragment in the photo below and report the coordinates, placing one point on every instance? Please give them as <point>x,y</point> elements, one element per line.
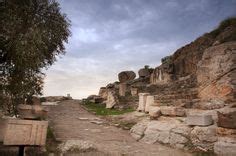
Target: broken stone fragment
<point>76,145</point>
<point>154,112</point>
<point>172,111</point>
<point>199,119</point>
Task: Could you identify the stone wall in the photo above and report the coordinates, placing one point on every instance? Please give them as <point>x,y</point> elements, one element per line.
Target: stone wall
<point>216,73</point>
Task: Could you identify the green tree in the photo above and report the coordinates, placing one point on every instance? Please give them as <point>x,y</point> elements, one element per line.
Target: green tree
<point>32,34</point>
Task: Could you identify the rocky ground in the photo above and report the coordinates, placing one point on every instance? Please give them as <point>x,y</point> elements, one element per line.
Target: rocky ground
<point>80,130</point>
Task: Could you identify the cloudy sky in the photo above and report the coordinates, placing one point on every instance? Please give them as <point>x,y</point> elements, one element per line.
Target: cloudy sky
<point>109,36</point>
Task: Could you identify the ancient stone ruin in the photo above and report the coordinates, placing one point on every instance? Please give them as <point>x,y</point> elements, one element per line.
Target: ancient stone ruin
<point>190,97</point>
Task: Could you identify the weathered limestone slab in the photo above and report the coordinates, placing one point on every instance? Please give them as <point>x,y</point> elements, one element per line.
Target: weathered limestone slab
<point>134,91</point>
<point>199,119</point>
<point>172,111</point>
<point>142,101</point>
<point>122,89</point>
<point>149,102</point>
<point>111,99</point>
<point>26,132</point>
<point>154,112</point>
<point>225,146</point>
<point>159,131</point>
<point>204,137</point>
<point>137,131</point>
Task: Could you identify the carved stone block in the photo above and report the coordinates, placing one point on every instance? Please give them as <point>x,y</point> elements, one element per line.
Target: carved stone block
<point>26,132</point>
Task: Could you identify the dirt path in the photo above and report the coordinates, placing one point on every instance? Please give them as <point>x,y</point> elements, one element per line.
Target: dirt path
<point>71,122</point>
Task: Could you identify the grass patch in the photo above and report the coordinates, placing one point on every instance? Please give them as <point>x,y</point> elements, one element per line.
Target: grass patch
<point>100,109</point>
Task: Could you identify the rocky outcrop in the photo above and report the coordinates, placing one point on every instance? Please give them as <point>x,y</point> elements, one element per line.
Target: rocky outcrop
<point>214,74</point>
<point>103,92</point>
<point>144,72</point>
<point>125,76</point>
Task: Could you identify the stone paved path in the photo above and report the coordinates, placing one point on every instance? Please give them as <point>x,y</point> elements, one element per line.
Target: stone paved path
<point>71,121</point>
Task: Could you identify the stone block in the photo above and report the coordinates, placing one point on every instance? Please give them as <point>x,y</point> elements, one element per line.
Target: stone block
<point>204,137</point>
<point>26,132</point>
<point>154,112</point>
<point>122,89</point>
<point>199,120</point>
<point>142,101</point>
<point>172,111</point>
<point>225,146</point>
<point>149,102</point>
